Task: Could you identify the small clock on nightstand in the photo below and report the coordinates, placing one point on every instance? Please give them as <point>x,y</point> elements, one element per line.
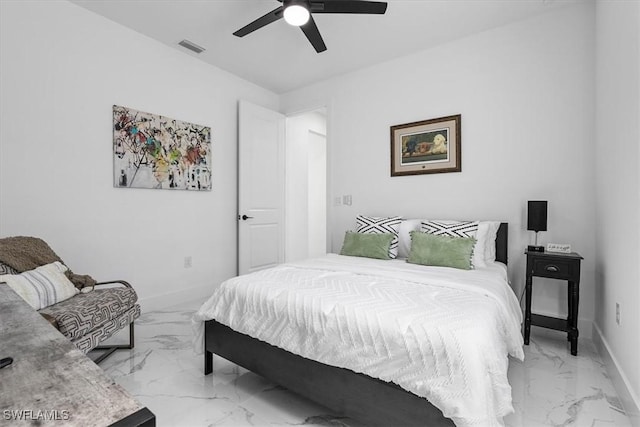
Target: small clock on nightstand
<point>562,266</point>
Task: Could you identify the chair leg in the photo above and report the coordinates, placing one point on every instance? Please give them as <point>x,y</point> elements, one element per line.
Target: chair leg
<point>108,353</point>
<point>112,348</point>
<point>131,336</point>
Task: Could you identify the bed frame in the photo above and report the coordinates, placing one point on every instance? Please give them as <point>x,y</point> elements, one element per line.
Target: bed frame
<point>346,393</point>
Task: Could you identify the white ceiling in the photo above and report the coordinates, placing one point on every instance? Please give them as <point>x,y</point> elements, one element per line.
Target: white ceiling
<point>278,57</point>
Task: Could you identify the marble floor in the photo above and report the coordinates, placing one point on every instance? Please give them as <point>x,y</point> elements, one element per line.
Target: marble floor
<point>550,388</point>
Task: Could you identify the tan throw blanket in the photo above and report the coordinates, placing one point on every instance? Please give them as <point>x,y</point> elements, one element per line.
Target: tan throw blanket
<point>26,253</point>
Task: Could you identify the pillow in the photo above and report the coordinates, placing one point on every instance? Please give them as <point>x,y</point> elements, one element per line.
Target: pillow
<point>369,245</point>
<point>7,269</point>
<point>479,258</point>
<point>404,239</point>
<point>490,243</point>
<point>441,251</point>
<point>377,225</point>
<point>42,287</point>
<point>465,229</point>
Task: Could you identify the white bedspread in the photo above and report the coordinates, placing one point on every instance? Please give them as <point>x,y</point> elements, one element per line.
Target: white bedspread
<point>440,333</point>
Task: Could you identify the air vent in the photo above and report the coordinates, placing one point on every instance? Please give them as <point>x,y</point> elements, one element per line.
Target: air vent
<point>191,46</point>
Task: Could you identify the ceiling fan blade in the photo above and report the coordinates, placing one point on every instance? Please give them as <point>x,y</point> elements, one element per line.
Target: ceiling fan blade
<point>310,29</point>
<point>349,6</point>
<point>270,17</point>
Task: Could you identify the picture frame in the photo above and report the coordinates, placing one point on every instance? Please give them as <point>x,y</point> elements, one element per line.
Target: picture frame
<point>157,152</point>
<point>428,146</point>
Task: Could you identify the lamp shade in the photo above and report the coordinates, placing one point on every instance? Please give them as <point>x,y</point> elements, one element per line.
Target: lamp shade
<point>537,215</point>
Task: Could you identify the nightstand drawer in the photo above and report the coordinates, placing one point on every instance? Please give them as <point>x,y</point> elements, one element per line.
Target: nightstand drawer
<point>554,268</point>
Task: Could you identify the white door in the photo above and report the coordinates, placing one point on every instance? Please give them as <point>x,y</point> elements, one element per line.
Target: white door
<point>260,188</point>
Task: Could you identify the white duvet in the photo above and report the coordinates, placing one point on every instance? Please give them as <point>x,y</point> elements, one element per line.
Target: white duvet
<point>440,333</point>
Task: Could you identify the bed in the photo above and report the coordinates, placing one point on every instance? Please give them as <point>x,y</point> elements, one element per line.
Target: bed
<point>416,360</point>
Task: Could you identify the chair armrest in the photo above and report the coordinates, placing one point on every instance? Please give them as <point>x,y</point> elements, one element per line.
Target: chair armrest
<point>122,282</point>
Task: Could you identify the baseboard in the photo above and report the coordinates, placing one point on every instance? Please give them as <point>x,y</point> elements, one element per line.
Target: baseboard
<point>629,400</point>
<point>585,328</point>
<point>160,302</point>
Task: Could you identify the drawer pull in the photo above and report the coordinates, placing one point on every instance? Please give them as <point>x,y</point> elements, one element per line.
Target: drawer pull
<point>552,268</point>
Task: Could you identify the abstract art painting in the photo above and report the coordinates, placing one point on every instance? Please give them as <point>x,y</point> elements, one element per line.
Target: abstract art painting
<point>152,151</point>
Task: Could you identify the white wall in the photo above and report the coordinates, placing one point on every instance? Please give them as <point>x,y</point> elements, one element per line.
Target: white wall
<point>618,195</point>
<point>526,95</point>
<point>62,69</point>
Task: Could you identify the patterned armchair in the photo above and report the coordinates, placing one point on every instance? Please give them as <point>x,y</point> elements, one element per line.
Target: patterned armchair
<point>89,318</point>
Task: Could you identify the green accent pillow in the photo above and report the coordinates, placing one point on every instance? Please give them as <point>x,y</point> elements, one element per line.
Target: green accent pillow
<point>441,251</point>
<point>369,245</point>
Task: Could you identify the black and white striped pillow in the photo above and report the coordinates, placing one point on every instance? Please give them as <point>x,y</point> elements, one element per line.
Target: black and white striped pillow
<point>372,224</point>
<point>458,229</point>
<point>450,228</point>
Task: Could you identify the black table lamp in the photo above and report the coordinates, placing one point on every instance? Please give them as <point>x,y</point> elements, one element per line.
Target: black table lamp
<point>536,221</point>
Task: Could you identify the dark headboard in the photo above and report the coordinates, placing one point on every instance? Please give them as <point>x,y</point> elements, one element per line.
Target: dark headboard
<point>502,247</point>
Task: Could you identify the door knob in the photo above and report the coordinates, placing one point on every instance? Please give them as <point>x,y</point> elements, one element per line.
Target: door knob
<point>244,217</point>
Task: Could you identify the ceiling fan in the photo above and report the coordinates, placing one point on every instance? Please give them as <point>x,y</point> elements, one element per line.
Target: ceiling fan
<point>298,13</point>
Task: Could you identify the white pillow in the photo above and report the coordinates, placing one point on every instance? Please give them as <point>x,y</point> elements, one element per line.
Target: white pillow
<point>480,250</point>
<point>404,238</point>
<point>460,229</point>
<point>42,287</point>
<point>490,242</point>
<point>373,224</point>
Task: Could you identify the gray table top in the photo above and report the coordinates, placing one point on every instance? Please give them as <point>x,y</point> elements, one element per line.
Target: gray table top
<point>50,379</point>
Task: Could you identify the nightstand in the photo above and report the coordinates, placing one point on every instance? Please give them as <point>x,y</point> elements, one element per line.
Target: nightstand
<point>554,266</point>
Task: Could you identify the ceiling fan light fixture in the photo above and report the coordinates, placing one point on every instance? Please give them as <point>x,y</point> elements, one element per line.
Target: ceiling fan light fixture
<point>296,15</point>
<point>299,13</point>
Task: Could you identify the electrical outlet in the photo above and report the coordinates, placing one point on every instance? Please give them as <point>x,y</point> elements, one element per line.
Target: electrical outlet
<point>346,200</point>
<point>337,201</point>
<point>618,313</point>
<point>187,261</point>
